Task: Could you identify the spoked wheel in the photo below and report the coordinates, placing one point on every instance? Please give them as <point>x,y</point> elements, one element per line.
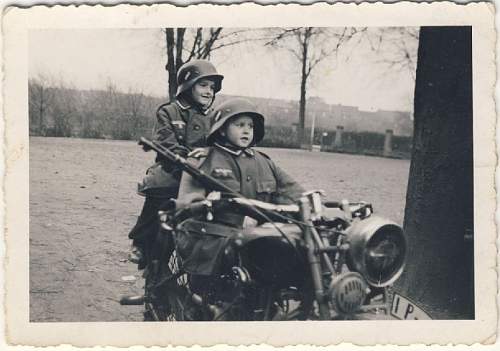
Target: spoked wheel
<point>168,293</point>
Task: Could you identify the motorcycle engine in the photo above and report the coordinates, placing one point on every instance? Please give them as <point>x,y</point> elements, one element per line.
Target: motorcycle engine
<point>272,261</point>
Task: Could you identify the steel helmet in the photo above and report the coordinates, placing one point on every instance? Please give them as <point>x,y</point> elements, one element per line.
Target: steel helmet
<point>232,108</point>
<point>191,72</point>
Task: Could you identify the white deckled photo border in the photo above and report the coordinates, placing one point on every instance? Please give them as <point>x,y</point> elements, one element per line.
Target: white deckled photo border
<point>16,24</point>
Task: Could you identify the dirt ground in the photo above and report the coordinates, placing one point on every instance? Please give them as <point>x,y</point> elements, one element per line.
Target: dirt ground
<point>83,203</point>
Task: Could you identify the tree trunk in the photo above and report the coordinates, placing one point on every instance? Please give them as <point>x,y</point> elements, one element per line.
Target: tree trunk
<point>303,87</point>
<point>170,66</point>
<point>302,111</point>
<point>439,274</point>
<point>41,112</point>
<point>178,48</point>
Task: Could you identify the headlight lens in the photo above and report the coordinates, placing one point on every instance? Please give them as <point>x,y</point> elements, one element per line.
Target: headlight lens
<point>377,250</point>
<point>384,255</point>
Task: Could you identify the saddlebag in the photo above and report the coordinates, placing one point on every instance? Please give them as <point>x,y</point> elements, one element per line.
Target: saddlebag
<point>200,245</point>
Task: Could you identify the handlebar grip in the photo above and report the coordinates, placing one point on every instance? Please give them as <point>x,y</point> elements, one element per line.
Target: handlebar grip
<point>332,204</point>
<point>197,208</point>
<point>192,210</point>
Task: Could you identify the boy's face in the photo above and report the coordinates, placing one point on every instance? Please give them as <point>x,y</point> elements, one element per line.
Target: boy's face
<point>239,131</point>
<point>203,91</point>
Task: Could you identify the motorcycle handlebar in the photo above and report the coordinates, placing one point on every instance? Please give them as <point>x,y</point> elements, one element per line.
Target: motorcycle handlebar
<point>236,205</point>
<point>332,204</point>
<point>192,210</point>
<point>248,207</point>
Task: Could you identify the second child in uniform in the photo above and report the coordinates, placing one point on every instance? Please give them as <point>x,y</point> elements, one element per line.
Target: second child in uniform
<point>182,125</point>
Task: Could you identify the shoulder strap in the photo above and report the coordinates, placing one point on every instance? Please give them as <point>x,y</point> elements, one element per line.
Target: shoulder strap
<point>173,112</point>
<point>262,154</point>
<point>268,160</point>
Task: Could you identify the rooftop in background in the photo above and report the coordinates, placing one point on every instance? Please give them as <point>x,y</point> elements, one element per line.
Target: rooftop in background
<point>329,116</point>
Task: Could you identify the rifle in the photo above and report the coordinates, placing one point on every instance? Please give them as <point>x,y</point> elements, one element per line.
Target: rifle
<point>206,180</point>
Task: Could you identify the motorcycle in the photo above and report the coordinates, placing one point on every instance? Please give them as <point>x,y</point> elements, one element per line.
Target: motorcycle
<point>313,260</point>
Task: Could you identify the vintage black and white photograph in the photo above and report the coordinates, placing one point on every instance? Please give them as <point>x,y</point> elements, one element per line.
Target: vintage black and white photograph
<point>182,173</point>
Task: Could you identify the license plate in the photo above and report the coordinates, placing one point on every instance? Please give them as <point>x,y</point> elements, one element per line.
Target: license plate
<point>402,308</point>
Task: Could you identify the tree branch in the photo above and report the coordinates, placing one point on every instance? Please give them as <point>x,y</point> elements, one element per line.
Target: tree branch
<point>285,32</point>
<point>214,34</point>
<point>196,41</point>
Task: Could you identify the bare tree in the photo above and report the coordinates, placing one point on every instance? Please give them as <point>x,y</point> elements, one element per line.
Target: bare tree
<point>198,46</point>
<point>40,96</point>
<point>134,110</point>
<point>103,117</point>
<point>310,46</point>
<point>63,110</point>
<point>184,45</point>
<point>90,120</point>
<point>397,47</point>
<point>118,115</point>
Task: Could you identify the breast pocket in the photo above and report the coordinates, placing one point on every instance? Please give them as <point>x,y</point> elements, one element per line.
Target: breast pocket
<point>227,177</point>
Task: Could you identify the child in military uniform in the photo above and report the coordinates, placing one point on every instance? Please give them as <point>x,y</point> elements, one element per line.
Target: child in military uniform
<point>181,125</point>
<point>232,160</point>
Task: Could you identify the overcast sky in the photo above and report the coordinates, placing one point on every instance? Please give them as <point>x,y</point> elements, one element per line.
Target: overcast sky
<point>134,60</point>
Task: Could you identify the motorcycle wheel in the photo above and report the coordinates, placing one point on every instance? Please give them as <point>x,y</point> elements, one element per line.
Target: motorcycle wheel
<point>169,299</point>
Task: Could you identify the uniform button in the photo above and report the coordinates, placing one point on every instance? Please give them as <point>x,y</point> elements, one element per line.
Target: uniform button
<point>249,178</point>
<point>196,127</point>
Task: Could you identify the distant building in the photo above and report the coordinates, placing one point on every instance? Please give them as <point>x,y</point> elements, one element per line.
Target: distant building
<point>328,117</point>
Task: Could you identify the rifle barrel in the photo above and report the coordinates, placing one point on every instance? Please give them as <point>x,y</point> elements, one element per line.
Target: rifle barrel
<point>207,180</point>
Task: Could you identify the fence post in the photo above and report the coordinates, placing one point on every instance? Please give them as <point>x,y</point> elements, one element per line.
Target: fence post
<point>323,144</point>
<point>338,137</point>
<point>388,143</point>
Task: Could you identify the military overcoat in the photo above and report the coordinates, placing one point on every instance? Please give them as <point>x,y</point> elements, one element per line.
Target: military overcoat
<point>181,126</point>
<point>246,171</point>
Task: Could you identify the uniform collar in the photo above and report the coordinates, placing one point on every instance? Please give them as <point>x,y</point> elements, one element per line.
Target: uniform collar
<point>236,152</point>
<point>185,106</point>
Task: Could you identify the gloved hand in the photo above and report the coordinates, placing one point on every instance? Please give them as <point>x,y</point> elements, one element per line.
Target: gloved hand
<point>167,165</point>
<point>180,150</point>
<point>197,153</point>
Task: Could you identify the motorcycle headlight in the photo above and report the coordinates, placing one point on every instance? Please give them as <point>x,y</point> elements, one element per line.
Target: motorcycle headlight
<point>377,250</point>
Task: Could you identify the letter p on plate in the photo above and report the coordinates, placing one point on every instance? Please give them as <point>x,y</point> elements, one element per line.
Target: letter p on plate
<point>404,309</point>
